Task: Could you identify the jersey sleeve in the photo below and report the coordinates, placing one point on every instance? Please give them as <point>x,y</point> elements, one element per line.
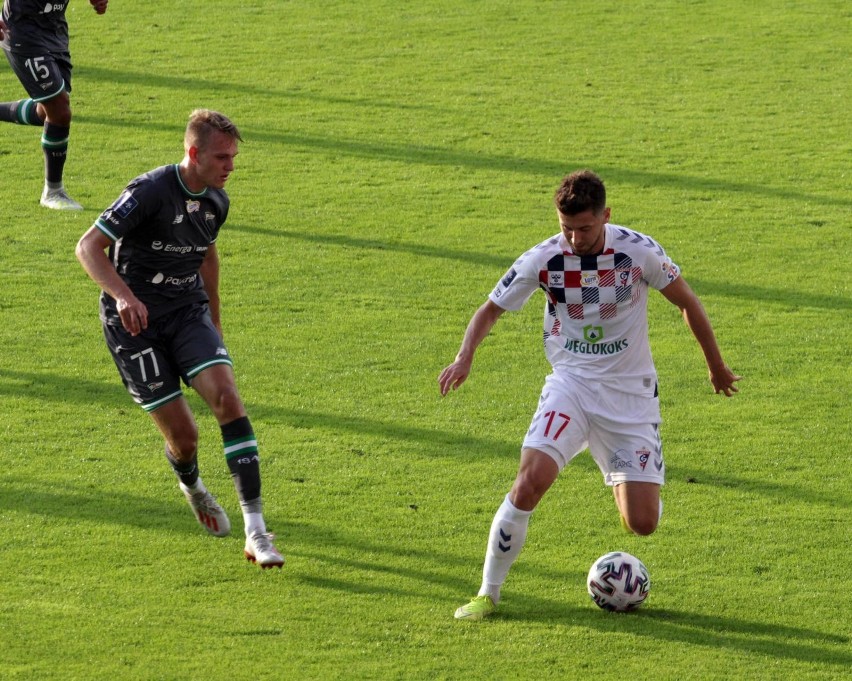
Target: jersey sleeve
<point>517,285</point>
<point>659,270</point>
<point>138,201</point>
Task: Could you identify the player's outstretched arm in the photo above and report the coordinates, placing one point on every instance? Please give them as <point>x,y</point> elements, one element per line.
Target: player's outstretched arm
<point>679,293</point>
<point>100,6</point>
<point>480,325</point>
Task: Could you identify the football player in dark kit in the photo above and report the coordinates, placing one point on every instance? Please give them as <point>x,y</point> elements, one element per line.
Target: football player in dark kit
<point>34,36</point>
<point>160,311</point>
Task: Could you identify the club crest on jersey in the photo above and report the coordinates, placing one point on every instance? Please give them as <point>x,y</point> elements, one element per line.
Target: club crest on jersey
<point>643,455</point>
<point>192,206</point>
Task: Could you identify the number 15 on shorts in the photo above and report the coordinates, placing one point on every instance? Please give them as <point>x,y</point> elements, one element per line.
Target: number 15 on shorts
<point>551,424</point>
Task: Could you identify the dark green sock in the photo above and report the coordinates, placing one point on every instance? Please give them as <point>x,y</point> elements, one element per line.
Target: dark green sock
<point>54,142</point>
<point>243,460</point>
<point>22,112</point>
<point>187,472</point>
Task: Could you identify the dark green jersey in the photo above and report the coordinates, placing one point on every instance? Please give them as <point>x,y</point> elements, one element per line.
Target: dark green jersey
<point>161,233</point>
<point>36,27</point>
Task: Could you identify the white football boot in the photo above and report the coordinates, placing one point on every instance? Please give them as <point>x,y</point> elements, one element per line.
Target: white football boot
<point>209,514</point>
<point>261,551</point>
<point>58,199</point>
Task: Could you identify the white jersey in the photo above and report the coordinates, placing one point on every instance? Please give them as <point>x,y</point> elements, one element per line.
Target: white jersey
<point>596,313</point>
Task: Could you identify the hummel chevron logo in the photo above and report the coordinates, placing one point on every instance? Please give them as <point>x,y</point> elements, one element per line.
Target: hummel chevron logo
<point>506,538</point>
<point>625,234</point>
<point>653,244</point>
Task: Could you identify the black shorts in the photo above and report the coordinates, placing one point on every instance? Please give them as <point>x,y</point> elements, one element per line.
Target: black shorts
<point>43,76</point>
<point>177,346</point>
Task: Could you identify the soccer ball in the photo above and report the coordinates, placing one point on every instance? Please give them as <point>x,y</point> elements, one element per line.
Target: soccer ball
<point>618,582</point>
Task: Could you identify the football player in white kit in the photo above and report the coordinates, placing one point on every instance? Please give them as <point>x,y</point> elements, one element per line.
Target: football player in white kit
<point>602,393</point>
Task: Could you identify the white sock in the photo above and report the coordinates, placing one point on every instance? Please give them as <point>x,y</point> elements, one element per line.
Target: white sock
<point>254,523</point>
<point>197,487</point>
<point>505,541</point>
<point>659,517</point>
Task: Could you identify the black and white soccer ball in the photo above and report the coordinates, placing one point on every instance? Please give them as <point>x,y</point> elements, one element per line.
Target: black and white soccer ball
<point>618,582</point>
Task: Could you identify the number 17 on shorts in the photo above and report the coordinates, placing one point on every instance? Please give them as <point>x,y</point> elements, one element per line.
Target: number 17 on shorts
<point>554,423</point>
<point>557,428</point>
<point>550,419</point>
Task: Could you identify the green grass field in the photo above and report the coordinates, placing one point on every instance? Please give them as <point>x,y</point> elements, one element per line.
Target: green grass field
<point>398,157</point>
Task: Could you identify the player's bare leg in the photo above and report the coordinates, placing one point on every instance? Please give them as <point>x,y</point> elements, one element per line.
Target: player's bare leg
<point>176,423</point>
<point>536,474</point>
<point>640,505</point>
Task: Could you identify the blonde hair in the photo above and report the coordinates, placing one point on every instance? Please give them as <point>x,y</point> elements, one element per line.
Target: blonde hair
<point>203,123</point>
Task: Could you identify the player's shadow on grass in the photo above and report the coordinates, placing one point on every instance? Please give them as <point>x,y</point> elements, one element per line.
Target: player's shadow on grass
<point>454,443</point>
<point>53,387</point>
<point>787,297</point>
<point>683,626</point>
<point>89,504</point>
<point>500,262</point>
<point>359,565</point>
<point>371,567</point>
<point>134,80</point>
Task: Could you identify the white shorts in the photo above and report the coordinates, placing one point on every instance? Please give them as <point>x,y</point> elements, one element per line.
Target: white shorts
<point>621,430</point>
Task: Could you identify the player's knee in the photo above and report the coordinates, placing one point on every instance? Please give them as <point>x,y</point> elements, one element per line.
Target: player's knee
<point>535,476</point>
<point>527,492</point>
<point>184,445</point>
<point>228,405</point>
<point>643,525</point>
<point>58,111</point>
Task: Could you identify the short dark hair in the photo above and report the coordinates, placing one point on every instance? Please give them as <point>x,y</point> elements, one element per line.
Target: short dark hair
<point>580,191</point>
<point>202,124</point>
